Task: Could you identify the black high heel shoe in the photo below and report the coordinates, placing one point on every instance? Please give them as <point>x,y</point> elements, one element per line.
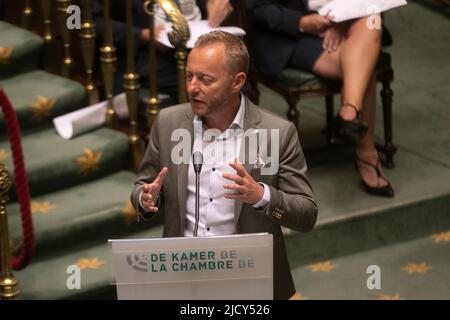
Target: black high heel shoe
<point>351,129</point>
<point>386,191</point>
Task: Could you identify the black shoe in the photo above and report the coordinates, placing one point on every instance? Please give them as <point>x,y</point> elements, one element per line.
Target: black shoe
<point>386,191</point>
<point>351,129</point>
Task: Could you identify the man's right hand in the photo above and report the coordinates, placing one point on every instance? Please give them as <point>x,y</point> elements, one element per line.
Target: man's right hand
<point>150,191</point>
<point>314,24</point>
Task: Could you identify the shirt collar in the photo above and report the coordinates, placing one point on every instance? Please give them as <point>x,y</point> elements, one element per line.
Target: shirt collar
<point>238,121</point>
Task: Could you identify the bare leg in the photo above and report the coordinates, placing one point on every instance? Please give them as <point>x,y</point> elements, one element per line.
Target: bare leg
<point>365,149</point>
<point>359,56</point>
<point>353,62</point>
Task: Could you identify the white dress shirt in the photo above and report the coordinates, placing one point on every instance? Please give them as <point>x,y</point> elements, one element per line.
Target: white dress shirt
<point>215,211</point>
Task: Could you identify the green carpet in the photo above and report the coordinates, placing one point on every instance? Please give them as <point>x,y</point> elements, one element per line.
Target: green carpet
<point>79,205</point>
<point>93,210</point>
<point>19,50</point>
<point>38,96</point>
<point>53,163</point>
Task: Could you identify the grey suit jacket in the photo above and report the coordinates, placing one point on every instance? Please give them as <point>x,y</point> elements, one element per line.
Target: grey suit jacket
<point>291,198</point>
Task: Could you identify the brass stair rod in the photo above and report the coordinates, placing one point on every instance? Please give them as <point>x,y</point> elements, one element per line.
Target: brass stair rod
<point>9,288</point>
<point>46,6</point>
<point>87,35</point>
<point>26,15</point>
<point>108,65</point>
<point>178,37</point>
<point>132,86</point>
<point>62,6</point>
<point>153,101</point>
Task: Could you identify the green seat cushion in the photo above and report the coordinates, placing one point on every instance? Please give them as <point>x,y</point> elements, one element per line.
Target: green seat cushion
<point>25,50</point>
<point>297,78</point>
<point>305,80</point>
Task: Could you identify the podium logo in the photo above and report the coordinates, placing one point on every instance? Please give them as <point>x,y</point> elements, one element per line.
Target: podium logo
<point>138,262</point>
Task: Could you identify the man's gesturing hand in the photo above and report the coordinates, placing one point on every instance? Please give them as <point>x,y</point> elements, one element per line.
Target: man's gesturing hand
<point>150,191</point>
<point>247,189</point>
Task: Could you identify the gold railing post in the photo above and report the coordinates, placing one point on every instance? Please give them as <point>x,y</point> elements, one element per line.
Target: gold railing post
<point>46,6</point>
<point>178,37</point>
<point>62,6</point>
<point>153,101</point>
<point>181,57</point>
<point>9,288</point>
<point>108,63</point>
<point>132,86</point>
<point>26,15</point>
<point>87,35</point>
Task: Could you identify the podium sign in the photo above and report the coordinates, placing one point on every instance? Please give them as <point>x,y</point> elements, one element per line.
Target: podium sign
<point>221,267</point>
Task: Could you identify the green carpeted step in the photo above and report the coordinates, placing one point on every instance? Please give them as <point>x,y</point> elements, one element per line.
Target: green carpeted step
<point>53,163</point>
<point>417,269</point>
<point>38,96</point>
<point>96,277</point>
<point>19,50</point>
<point>369,229</point>
<point>69,218</point>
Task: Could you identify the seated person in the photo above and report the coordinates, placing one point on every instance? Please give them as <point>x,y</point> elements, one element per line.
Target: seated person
<point>346,51</point>
<point>166,65</point>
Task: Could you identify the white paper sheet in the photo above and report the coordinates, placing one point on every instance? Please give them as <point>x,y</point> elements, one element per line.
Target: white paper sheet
<point>342,10</point>
<point>88,118</point>
<point>197,28</point>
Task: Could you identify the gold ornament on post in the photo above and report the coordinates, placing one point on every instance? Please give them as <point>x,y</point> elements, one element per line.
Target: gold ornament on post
<point>26,15</point>
<point>62,6</point>
<point>153,100</point>
<point>8,284</point>
<point>132,86</point>
<point>46,6</point>
<point>178,37</point>
<point>108,59</point>
<point>87,35</point>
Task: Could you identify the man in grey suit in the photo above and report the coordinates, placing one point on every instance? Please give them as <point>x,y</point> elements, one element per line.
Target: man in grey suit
<point>236,196</point>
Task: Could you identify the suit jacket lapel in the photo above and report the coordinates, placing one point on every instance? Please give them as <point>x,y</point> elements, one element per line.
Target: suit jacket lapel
<point>252,118</point>
<point>182,172</point>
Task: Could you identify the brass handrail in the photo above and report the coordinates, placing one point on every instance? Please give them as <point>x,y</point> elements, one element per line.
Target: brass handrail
<point>178,37</point>
<point>87,35</point>
<point>108,60</point>
<point>62,6</point>
<point>46,9</point>
<point>26,15</point>
<point>9,288</point>
<point>132,86</point>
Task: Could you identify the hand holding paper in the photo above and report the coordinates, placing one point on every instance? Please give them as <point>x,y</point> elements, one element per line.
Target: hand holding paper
<point>342,10</point>
<point>197,28</point>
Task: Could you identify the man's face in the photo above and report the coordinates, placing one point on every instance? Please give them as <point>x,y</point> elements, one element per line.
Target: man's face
<point>209,83</point>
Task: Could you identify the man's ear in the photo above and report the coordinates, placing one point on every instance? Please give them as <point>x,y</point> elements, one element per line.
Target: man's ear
<point>238,82</point>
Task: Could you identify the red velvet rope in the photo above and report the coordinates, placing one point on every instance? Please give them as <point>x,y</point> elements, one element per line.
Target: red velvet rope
<point>23,193</point>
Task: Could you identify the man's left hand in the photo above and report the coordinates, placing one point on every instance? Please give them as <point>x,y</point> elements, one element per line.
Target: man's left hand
<point>245,187</point>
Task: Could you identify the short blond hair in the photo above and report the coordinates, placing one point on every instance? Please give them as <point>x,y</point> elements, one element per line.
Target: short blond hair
<point>236,51</point>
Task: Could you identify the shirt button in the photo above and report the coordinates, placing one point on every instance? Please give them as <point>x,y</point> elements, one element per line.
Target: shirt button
<point>207,229</point>
<point>213,169</point>
<point>210,199</point>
